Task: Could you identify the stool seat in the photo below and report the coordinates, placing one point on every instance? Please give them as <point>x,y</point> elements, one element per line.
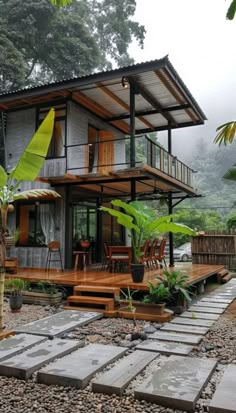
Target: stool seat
<point>54,247</point>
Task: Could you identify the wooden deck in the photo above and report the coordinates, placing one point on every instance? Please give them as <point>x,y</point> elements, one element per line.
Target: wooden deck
<point>196,273</point>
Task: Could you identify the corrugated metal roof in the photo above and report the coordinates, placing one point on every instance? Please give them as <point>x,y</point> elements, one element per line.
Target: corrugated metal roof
<point>162,98</point>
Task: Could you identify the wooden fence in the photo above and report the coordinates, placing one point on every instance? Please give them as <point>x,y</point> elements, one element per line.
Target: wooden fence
<point>215,248</point>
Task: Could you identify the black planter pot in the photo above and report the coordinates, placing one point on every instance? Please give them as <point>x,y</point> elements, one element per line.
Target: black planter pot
<point>16,302</point>
<point>137,272</point>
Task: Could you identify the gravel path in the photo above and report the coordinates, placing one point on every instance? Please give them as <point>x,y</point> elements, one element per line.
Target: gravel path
<point>27,397</point>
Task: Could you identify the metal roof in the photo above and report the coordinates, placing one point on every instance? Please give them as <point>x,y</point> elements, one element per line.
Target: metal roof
<point>162,98</point>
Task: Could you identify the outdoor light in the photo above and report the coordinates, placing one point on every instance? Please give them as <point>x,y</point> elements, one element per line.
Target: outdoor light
<point>124,82</point>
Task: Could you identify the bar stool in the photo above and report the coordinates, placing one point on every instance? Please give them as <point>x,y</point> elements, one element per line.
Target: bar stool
<point>53,248</point>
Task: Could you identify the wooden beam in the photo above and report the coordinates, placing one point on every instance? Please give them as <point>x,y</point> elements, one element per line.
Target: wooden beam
<point>171,89</point>
<point>120,102</point>
<point>98,110</point>
<point>153,101</point>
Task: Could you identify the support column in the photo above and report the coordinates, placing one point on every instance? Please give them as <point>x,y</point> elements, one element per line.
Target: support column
<point>132,139</point>
<point>170,206</point>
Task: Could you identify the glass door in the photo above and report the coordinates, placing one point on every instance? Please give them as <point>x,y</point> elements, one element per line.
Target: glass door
<point>84,226</point>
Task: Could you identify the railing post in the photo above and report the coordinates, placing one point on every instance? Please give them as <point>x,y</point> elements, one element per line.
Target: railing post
<point>132,125</point>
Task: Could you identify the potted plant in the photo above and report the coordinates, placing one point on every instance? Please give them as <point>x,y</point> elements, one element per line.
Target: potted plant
<point>142,223</point>
<point>177,284</point>
<point>157,296</point>
<point>15,287</point>
<point>43,293</point>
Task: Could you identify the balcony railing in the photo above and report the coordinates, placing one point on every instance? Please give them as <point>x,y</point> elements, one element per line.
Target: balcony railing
<point>110,155</point>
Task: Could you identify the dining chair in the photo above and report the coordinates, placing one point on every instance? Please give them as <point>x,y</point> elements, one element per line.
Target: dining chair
<point>105,258</point>
<point>160,256</point>
<point>118,255</point>
<point>152,254</point>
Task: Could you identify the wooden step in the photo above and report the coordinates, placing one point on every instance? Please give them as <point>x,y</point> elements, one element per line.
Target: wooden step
<point>112,313</point>
<point>221,274</point>
<point>113,291</point>
<point>226,278</point>
<point>108,303</point>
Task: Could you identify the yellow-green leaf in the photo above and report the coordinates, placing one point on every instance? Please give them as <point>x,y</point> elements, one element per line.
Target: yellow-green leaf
<point>3,176</point>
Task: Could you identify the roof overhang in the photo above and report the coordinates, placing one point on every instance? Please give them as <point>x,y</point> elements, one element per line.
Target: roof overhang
<point>162,99</point>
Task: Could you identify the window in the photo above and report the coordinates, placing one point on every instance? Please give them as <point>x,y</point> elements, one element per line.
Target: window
<point>36,224</point>
<point>57,146</point>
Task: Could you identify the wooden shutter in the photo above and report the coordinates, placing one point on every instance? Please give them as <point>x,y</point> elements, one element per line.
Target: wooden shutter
<point>105,151</point>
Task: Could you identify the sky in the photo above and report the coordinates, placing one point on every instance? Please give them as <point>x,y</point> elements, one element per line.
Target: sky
<point>201,45</point>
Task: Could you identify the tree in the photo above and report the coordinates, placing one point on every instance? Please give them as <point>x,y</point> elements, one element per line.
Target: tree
<point>48,43</point>
<point>27,169</point>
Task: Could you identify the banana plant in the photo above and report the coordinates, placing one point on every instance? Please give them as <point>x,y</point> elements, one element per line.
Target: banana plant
<point>142,223</point>
<point>61,3</point>
<point>27,169</point>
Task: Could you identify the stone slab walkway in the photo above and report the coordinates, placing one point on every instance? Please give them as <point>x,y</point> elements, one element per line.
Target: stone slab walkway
<point>194,315</point>
<point>78,368</point>
<point>17,344</point>
<point>59,324</point>
<point>224,399</point>
<point>199,322</point>
<point>212,305</point>
<point>186,329</point>
<point>165,347</point>
<point>216,300</point>
<point>199,309</point>
<point>25,364</point>
<point>117,378</point>
<point>178,338</point>
<point>178,383</point>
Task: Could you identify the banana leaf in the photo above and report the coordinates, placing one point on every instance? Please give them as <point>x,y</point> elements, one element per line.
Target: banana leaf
<point>32,159</point>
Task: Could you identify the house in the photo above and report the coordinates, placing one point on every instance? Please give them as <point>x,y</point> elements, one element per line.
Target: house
<point>102,148</point>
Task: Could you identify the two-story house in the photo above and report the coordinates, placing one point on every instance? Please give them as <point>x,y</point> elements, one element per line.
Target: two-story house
<point>102,148</point>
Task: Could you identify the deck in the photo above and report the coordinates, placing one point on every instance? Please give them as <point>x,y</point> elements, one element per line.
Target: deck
<point>196,273</point>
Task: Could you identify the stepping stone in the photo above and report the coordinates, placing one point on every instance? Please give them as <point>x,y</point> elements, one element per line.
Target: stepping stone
<point>25,364</point>
<point>177,383</point>
<point>117,379</point>
<point>216,300</point>
<point>195,316</point>
<point>178,328</point>
<point>178,338</point>
<point>78,368</point>
<point>193,322</point>
<point>15,345</point>
<point>200,309</point>
<point>165,347</point>
<point>212,305</point>
<point>59,324</point>
<point>224,399</point>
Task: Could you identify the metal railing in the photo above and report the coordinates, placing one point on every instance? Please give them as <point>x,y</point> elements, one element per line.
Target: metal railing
<point>84,159</point>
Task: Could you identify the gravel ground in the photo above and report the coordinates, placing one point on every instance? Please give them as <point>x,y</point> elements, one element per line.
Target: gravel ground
<point>27,397</point>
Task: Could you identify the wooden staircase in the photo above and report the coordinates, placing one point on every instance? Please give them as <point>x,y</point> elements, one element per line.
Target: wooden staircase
<point>94,298</point>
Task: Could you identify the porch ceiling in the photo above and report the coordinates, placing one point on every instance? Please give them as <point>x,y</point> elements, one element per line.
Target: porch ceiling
<point>162,99</point>
<point>148,180</point>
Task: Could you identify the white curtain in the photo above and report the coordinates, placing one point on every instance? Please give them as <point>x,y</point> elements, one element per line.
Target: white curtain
<point>47,222</point>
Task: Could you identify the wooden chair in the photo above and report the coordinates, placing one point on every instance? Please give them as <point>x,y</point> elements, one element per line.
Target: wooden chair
<point>105,259</point>
<point>145,252</point>
<point>119,254</point>
<point>151,261</point>
<point>54,247</point>
<point>160,256</point>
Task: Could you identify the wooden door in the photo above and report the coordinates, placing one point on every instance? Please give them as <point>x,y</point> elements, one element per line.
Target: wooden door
<point>105,151</point>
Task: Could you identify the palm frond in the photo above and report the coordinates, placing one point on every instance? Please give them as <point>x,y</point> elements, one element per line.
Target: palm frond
<point>226,134</point>
<point>231,10</point>
<point>230,174</point>
<point>36,193</point>
<point>61,3</point>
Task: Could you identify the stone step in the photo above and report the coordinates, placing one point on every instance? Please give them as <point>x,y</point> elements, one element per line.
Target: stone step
<point>177,383</point>
<point>193,322</point>
<point>224,399</point>
<point>165,347</point>
<point>104,302</point>
<point>17,344</point>
<point>117,378</point>
<point>106,313</point>
<point>25,364</point>
<point>59,324</point>
<point>212,305</point>
<point>78,368</point>
<point>178,328</point>
<point>203,316</point>
<point>112,291</point>
<point>205,310</point>
<point>178,338</point>
<point>216,300</point>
